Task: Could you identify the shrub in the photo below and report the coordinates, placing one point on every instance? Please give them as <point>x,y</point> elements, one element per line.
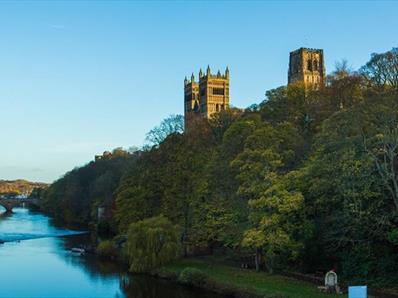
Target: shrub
<point>107,249</point>
<point>152,243</point>
<point>193,277</point>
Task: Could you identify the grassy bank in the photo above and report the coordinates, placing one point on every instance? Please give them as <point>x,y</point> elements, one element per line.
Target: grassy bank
<point>242,282</point>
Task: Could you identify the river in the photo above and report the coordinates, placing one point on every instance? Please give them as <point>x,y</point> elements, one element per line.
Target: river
<point>35,261</point>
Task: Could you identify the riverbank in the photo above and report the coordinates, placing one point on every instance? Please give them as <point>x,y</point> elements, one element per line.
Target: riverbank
<point>236,282</point>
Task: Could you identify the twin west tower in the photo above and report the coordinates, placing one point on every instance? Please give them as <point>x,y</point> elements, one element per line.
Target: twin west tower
<point>210,94</point>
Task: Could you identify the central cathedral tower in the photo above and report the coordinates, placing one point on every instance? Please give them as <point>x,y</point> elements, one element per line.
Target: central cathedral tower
<point>207,96</point>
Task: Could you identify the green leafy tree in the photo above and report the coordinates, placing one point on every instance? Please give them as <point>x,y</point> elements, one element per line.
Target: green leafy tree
<point>279,226</point>
<point>269,152</point>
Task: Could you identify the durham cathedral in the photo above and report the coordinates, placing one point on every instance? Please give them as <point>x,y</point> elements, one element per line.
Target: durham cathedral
<point>210,93</point>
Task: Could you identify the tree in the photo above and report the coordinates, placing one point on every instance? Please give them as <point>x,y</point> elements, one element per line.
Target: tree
<point>174,124</point>
<point>382,70</point>
<point>267,149</point>
<point>279,226</point>
<point>269,152</point>
<point>221,121</point>
<point>384,154</point>
<point>342,70</point>
<point>344,87</point>
<point>152,243</point>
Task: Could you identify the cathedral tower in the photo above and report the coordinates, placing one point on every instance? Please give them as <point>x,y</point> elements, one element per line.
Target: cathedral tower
<point>206,97</point>
<point>307,66</point>
<point>213,92</point>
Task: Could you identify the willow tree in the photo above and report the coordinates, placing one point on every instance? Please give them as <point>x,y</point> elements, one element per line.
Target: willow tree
<point>152,243</point>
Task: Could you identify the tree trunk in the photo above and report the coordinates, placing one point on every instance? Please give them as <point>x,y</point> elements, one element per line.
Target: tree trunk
<point>258,259</point>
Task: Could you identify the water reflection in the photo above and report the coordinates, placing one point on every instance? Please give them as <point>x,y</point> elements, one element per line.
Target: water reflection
<point>44,267</point>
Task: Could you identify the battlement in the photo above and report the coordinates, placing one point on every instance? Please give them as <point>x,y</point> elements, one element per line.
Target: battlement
<point>207,75</point>
<point>314,50</point>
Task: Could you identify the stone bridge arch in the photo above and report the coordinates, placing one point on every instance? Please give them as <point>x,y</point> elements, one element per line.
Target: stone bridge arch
<point>9,204</point>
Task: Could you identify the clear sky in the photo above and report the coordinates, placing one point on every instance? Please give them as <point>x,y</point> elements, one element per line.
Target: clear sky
<point>78,78</point>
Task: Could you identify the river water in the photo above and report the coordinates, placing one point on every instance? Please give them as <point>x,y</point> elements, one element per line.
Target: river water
<point>35,261</point>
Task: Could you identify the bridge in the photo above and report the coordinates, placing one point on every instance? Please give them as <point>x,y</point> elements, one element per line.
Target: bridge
<point>10,203</point>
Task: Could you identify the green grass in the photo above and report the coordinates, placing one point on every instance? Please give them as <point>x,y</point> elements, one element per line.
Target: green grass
<point>244,280</point>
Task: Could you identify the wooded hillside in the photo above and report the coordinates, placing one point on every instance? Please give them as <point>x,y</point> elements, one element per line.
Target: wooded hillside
<point>19,186</point>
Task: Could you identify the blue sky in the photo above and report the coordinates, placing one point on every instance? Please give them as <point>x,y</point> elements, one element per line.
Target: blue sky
<point>78,78</point>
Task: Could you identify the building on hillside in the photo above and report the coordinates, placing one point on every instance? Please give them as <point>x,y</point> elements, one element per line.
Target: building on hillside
<point>307,66</point>
<point>207,96</point>
<point>105,155</point>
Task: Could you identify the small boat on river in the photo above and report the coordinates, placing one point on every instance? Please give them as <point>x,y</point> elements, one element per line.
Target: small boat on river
<point>77,251</point>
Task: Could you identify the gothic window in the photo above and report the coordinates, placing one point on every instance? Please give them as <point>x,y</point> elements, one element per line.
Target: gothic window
<point>316,65</point>
<point>309,65</point>
<point>218,91</point>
